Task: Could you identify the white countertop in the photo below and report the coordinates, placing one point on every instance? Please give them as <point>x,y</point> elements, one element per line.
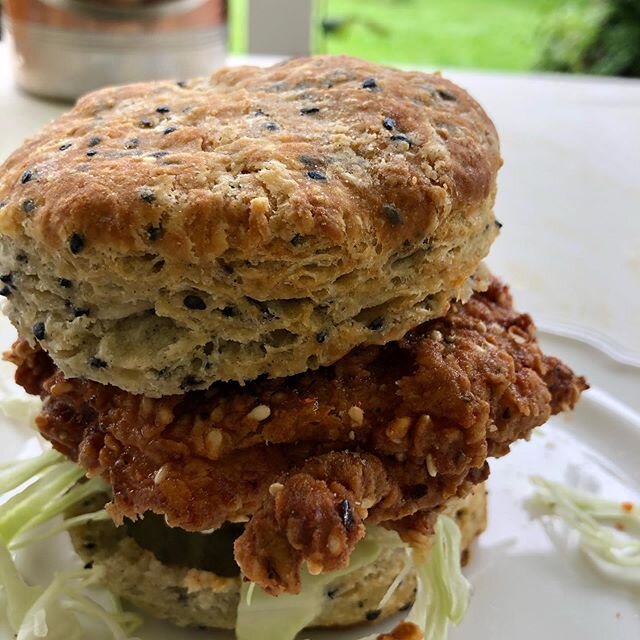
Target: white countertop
<point>569,199</point>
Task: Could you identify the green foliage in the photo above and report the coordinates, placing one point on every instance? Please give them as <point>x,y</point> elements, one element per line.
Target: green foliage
<point>603,38</point>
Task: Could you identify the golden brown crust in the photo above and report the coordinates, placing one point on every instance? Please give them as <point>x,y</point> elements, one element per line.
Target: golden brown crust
<point>261,222</point>
<point>213,188</point>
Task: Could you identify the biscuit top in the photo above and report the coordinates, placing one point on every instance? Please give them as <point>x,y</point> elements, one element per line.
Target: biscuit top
<point>311,153</point>
<point>162,237</point>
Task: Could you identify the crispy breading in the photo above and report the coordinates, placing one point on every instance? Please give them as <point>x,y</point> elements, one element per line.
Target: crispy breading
<point>422,415</point>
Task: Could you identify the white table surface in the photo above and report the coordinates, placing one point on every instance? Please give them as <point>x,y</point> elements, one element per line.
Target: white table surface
<point>569,199</point>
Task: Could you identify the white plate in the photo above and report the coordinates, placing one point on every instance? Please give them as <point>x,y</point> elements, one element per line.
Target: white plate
<point>530,582</point>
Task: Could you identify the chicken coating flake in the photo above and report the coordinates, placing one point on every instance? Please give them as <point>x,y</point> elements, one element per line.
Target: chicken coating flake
<point>386,435</point>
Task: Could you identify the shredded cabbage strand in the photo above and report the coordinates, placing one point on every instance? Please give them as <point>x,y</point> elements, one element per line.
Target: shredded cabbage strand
<point>34,492</point>
<point>37,490</point>
<point>443,592</point>
<point>56,611</point>
<point>22,408</point>
<point>615,553</point>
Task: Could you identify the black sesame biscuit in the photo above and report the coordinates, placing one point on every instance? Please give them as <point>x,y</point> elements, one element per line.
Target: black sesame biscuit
<point>260,222</point>
<point>189,597</point>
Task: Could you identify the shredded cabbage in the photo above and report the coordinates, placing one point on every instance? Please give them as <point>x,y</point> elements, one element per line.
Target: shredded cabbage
<point>35,492</point>
<point>22,408</point>
<point>56,611</point>
<point>46,487</point>
<point>443,592</point>
<point>283,617</point>
<point>615,553</point>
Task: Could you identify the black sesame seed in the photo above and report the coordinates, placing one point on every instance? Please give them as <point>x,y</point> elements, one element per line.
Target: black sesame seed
<point>22,257</point>
<point>38,331</point>
<point>145,123</point>
<point>316,175</point>
<point>195,303</point>
<point>7,278</point>
<point>332,593</point>
<point>153,232</point>
<point>92,153</point>
<point>163,109</point>
<point>94,142</point>
<point>159,154</point>
<point>131,144</point>
<point>65,146</point>
<point>147,195</point>
<point>65,283</point>
<point>76,243</point>
<point>97,363</point>
<point>389,124</point>
<point>498,224</point>
<point>28,205</point>
<point>321,336</point>
<point>190,381</point>
<point>278,86</point>
<point>181,83</point>
<point>305,111</point>
<point>345,511</point>
<point>369,83</point>
<point>270,126</point>
<point>229,312</point>
<point>374,614</point>
<point>392,214</point>
<point>376,324</point>
<point>79,312</point>
<point>259,112</point>
<point>310,161</point>
<point>3,204</point>
<point>26,176</point>
<point>5,291</point>
<point>89,545</point>
<point>169,130</point>
<point>446,95</point>
<point>88,565</point>
<point>297,240</point>
<point>401,137</point>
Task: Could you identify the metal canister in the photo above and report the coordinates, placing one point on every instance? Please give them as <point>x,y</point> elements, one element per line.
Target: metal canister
<point>64,48</point>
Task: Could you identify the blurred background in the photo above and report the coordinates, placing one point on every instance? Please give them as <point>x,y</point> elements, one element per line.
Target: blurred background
<point>579,36</point>
<point>575,36</point>
<point>62,48</point>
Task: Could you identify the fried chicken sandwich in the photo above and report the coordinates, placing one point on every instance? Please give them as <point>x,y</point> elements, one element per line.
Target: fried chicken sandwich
<point>255,305</point>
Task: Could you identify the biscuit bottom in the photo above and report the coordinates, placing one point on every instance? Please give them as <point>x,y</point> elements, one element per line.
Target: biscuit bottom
<point>188,596</point>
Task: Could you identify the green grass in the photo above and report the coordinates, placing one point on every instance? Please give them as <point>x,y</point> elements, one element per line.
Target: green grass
<point>489,34</point>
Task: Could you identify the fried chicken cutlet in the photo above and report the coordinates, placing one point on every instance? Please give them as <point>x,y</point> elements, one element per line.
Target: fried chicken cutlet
<point>386,433</point>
